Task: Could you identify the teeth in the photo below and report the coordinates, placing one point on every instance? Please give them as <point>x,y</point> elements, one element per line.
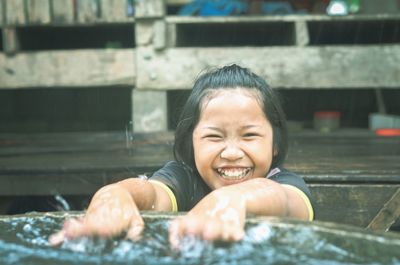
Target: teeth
<point>233,173</point>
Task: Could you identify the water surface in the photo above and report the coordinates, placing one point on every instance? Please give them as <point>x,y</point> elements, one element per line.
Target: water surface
<point>23,240</point>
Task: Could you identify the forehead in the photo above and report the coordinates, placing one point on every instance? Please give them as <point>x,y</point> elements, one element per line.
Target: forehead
<point>232,107</point>
<point>230,93</point>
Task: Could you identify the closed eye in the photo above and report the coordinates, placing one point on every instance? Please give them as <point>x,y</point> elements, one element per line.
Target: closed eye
<point>251,135</point>
<point>213,137</point>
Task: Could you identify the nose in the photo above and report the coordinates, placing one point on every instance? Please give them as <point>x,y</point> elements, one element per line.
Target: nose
<point>232,152</point>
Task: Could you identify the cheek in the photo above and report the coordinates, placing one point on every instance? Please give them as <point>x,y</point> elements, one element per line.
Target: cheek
<point>261,154</point>
<point>205,151</point>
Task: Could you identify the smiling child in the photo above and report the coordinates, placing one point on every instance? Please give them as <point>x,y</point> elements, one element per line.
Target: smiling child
<point>230,144</point>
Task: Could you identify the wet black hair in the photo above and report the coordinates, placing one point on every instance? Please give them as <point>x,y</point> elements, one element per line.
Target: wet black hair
<point>229,77</point>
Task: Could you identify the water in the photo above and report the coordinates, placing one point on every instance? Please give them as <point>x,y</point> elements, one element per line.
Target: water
<point>23,240</point>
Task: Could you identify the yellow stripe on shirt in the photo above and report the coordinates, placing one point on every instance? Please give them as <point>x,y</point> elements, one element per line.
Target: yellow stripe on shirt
<point>305,199</point>
<point>169,192</point>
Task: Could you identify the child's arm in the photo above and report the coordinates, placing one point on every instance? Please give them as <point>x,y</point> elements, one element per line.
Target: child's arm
<point>114,209</point>
<point>221,214</point>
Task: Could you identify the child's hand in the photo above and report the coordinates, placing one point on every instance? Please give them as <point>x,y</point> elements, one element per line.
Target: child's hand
<point>111,212</point>
<point>219,216</point>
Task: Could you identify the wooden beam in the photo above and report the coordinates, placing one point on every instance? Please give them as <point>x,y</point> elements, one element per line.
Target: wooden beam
<point>284,67</point>
<point>388,215</point>
<point>77,68</point>
<point>354,204</point>
<point>38,11</point>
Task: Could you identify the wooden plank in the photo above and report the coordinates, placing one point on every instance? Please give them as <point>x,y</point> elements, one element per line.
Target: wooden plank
<point>38,11</point>
<point>280,18</point>
<point>388,215</point>
<point>87,160</point>
<point>350,204</point>
<point>105,152</point>
<point>63,11</point>
<point>286,67</point>
<point>15,12</point>
<point>77,68</point>
<point>114,10</point>
<point>87,11</point>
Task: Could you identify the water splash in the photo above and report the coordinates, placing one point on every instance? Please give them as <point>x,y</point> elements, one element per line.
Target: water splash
<point>129,137</point>
<point>23,240</point>
<point>64,204</point>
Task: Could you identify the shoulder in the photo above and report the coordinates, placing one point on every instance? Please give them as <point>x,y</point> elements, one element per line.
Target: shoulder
<point>186,185</point>
<point>173,171</point>
<point>284,176</point>
<point>295,183</point>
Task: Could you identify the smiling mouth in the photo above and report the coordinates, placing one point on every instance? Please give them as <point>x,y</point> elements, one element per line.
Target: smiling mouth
<point>233,173</point>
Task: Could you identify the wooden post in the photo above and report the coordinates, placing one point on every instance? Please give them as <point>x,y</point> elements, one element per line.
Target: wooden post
<point>62,11</point>
<point>160,35</point>
<point>149,108</point>
<point>38,11</point>
<point>144,33</point>
<point>10,40</point>
<point>387,215</point>
<point>14,12</point>
<point>301,31</point>
<point>171,35</point>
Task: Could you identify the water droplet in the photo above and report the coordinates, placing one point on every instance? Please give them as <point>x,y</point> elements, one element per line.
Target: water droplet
<point>142,177</point>
<point>27,228</point>
<point>64,204</point>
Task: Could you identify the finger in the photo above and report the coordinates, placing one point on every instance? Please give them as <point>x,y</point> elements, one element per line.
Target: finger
<point>57,238</point>
<point>232,233</point>
<point>75,228</point>
<point>191,225</point>
<point>213,231</point>
<point>175,233</point>
<point>135,230</point>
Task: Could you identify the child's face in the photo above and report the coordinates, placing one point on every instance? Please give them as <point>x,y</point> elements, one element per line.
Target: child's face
<point>233,139</point>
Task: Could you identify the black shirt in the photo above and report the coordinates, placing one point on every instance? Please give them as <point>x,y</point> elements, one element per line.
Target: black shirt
<point>189,188</point>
